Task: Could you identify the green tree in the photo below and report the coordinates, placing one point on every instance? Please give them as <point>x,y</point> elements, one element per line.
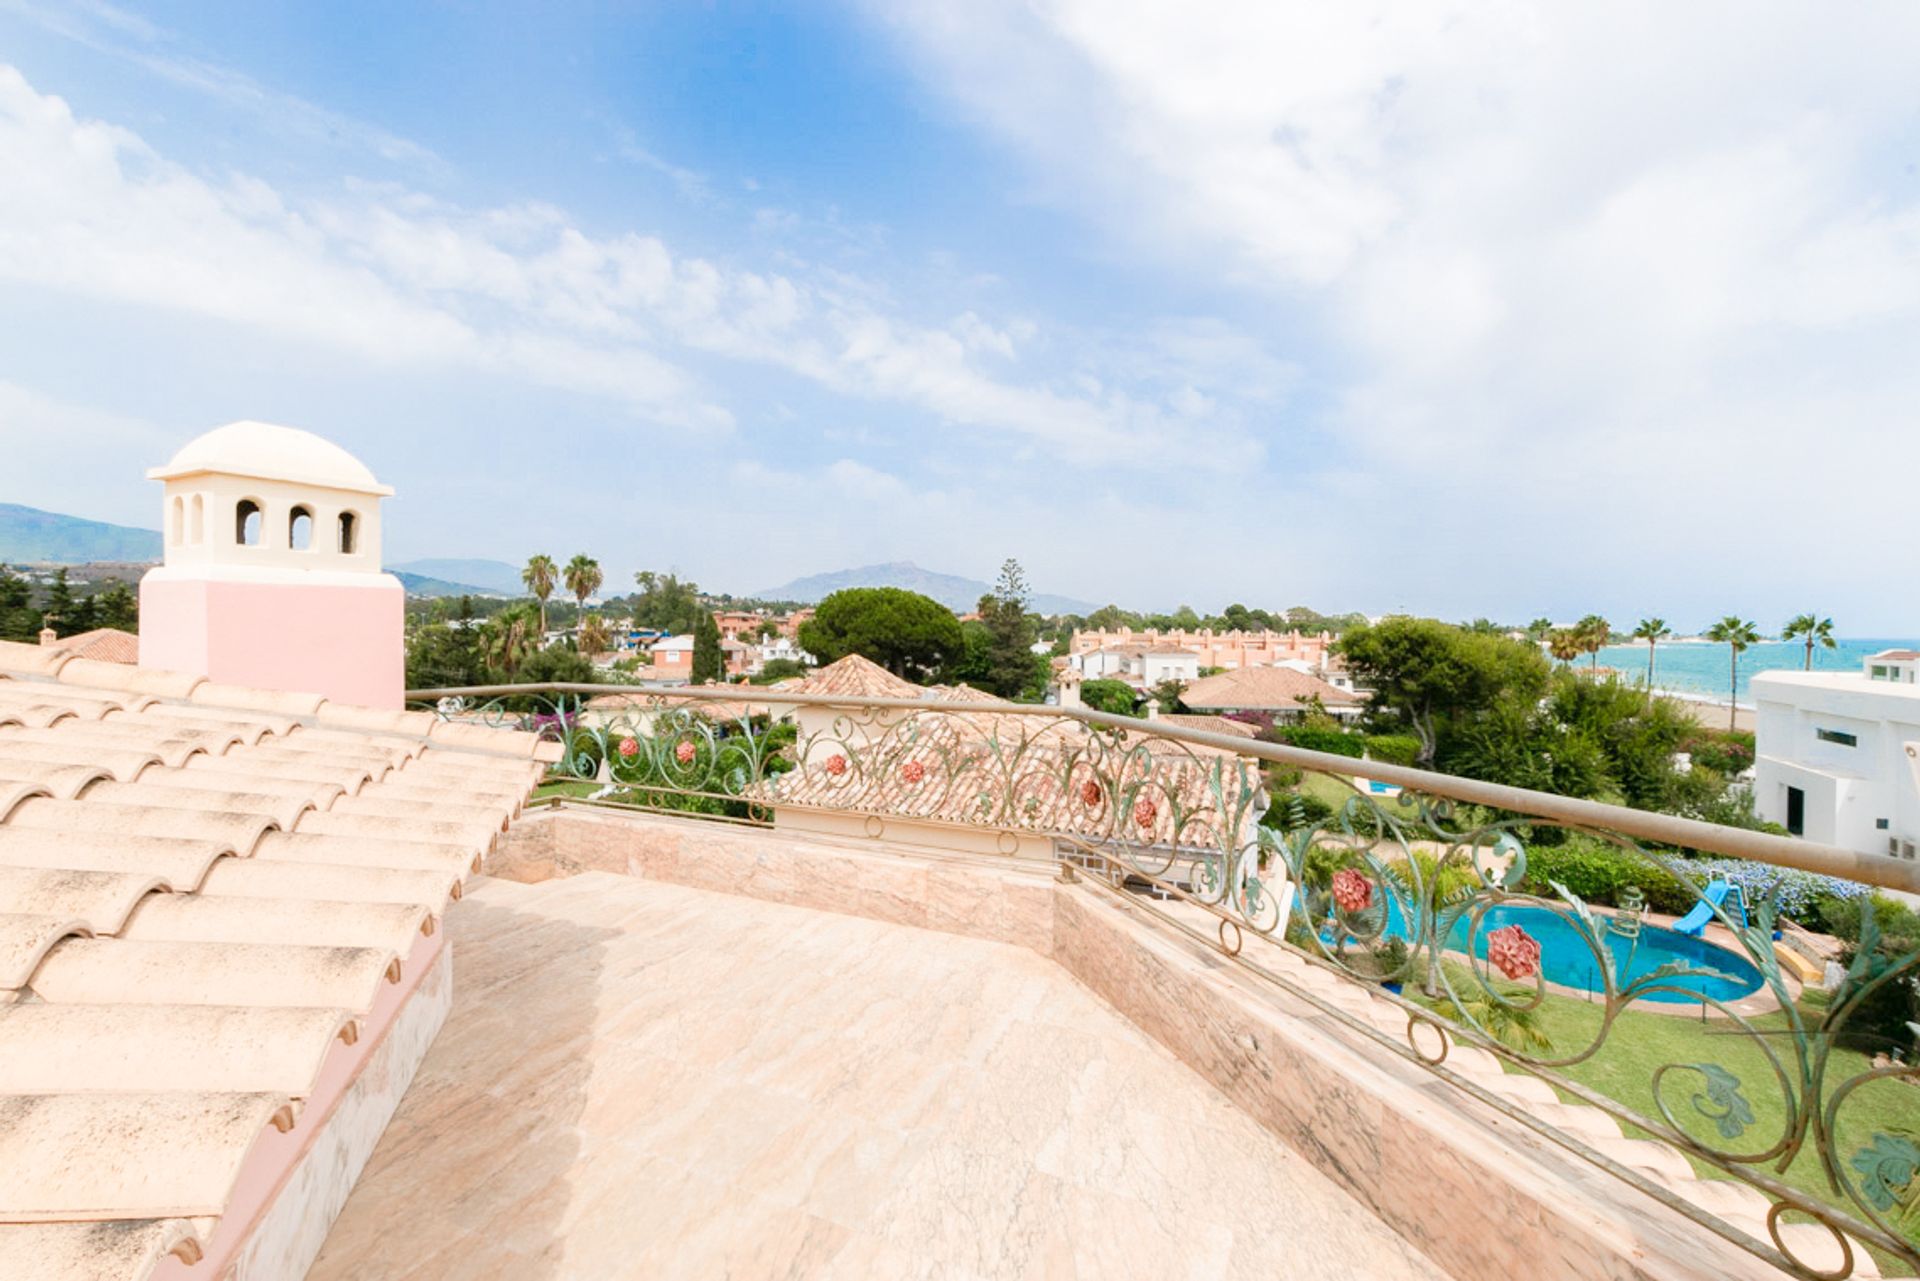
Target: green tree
<point>539,577</point>
<point>665,603</point>
<point>1736,634</point>
<point>1166,695</point>
<point>507,640</point>
<point>909,634</point>
<point>1428,675</point>
<point>19,620</point>
<point>709,661</point>
<point>1814,630</point>
<point>62,609</point>
<point>594,636</point>
<point>441,656</point>
<point>1652,631</point>
<point>779,669</point>
<point>1537,630</point>
<point>1010,656</point>
<point>583,578</point>
<point>1110,618</point>
<point>1564,644</point>
<point>1594,632</point>
<point>1116,697</point>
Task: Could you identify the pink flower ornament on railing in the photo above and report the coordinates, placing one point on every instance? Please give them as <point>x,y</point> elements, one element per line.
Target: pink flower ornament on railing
<point>629,748</point>
<point>913,771</point>
<point>1514,952</point>
<point>1145,812</point>
<point>836,765</point>
<point>1352,891</point>
<point>684,751</point>
<point>1090,794</point>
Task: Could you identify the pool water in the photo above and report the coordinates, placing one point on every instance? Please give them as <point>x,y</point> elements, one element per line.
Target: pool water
<point>1566,959</point>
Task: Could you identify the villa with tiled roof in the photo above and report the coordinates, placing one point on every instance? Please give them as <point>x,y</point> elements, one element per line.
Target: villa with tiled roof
<point>1281,691</point>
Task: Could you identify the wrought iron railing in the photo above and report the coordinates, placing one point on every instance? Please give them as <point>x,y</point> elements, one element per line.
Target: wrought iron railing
<point>1437,893</point>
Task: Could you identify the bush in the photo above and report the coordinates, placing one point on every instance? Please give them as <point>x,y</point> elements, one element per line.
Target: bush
<point>1313,738</point>
<point>1722,753</point>
<point>1803,895</point>
<point>1898,923</point>
<point>1114,697</point>
<point>1599,873</point>
<point>1394,749</point>
<point>1295,809</point>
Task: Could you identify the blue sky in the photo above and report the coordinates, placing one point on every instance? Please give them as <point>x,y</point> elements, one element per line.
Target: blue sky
<point>1475,310</point>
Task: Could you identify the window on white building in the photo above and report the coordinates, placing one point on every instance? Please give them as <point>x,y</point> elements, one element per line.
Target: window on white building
<point>1839,736</point>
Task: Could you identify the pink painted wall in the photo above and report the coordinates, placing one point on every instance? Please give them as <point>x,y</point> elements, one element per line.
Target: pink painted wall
<point>346,642</point>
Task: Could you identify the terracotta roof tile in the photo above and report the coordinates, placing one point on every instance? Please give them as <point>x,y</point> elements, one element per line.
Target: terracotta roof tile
<point>205,887</point>
<point>857,677</point>
<point>1264,688</point>
<point>107,644</point>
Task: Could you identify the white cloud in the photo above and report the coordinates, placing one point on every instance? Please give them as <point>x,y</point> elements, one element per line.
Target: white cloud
<point>1647,272</point>
<point>398,278</point>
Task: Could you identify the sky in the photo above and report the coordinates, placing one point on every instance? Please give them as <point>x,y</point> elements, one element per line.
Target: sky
<point>1491,309</point>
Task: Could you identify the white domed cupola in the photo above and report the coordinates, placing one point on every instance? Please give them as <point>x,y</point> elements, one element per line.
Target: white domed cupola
<point>257,495</point>
<point>272,570</point>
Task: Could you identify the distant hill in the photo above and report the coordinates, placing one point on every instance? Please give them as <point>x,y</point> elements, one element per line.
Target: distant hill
<point>956,593</point>
<point>486,577</point>
<point>423,585</point>
<point>29,535</point>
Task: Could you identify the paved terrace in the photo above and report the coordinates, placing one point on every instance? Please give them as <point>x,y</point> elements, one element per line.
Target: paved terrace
<point>641,1079</point>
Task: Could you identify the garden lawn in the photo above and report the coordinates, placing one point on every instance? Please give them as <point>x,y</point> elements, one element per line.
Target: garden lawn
<point>1640,1044</point>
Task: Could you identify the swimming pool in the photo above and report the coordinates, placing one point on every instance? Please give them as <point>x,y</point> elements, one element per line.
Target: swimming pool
<point>1566,959</point>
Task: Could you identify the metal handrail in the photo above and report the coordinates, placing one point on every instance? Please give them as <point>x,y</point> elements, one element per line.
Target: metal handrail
<point>1646,825</point>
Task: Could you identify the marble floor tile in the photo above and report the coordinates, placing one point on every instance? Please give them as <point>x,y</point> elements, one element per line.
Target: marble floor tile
<point>644,1080</point>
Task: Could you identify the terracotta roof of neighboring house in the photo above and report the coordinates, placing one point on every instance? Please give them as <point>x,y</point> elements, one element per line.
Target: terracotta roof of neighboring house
<point>1211,724</point>
<point>107,644</point>
<point>1266,688</point>
<point>717,709</point>
<point>963,693</point>
<point>1899,655</point>
<point>857,677</point>
<point>207,891</point>
<point>672,643</point>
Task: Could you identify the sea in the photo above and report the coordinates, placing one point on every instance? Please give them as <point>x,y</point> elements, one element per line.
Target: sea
<point>1698,669</point>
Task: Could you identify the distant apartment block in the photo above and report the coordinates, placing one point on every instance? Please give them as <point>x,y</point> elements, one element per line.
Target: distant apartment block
<point>1229,650</point>
<point>1838,754</point>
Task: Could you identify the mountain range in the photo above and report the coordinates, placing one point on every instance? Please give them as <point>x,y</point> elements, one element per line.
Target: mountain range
<point>30,536</point>
<point>955,592</point>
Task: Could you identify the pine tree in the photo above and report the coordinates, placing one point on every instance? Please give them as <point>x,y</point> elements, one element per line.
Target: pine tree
<point>709,664</point>
<point>60,604</point>
<point>1010,658</point>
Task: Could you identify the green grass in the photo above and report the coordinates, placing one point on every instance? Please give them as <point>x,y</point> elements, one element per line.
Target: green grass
<point>1639,1044</point>
<point>565,787</point>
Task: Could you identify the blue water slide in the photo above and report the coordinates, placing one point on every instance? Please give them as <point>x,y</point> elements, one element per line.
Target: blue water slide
<point>1716,893</point>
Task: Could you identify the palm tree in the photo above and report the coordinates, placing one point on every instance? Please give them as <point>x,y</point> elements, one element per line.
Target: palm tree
<point>595,636</point>
<point>1815,630</point>
<point>583,579</point>
<point>538,576</point>
<point>505,640</point>
<point>1736,634</point>
<point>1593,632</point>
<point>1652,631</point>
<point>1564,643</point>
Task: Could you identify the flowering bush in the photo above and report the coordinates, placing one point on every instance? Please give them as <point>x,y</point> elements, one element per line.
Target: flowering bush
<point>1801,893</point>
<point>1514,952</point>
<point>836,765</point>
<point>913,771</point>
<point>1352,891</point>
<point>629,748</point>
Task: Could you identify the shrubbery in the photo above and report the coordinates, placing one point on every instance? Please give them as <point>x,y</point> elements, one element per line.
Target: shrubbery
<point>1318,738</point>
<point>1599,873</point>
<point>1394,749</point>
<point>1114,697</point>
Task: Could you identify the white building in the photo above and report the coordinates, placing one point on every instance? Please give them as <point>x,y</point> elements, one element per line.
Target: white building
<point>1839,754</point>
<point>1141,666</point>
